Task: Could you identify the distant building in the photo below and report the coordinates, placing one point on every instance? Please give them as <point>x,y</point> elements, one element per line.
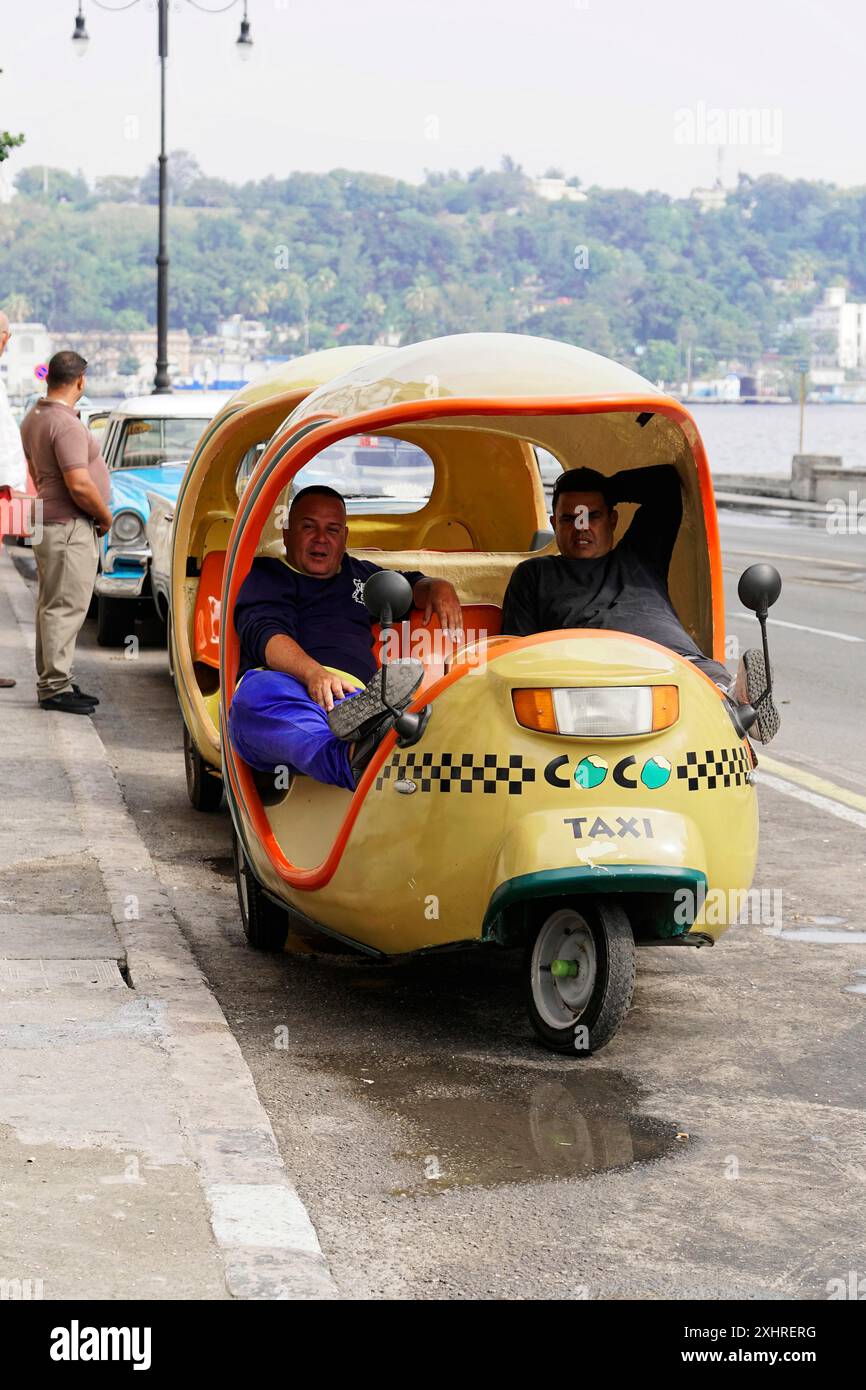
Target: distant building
<point>111,355</point>
<point>710,199</point>
<point>558,191</point>
<point>28,348</point>
<point>229,358</point>
<point>837,331</point>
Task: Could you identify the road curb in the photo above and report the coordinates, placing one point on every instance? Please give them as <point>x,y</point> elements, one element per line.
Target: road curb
<point>268,1242</point>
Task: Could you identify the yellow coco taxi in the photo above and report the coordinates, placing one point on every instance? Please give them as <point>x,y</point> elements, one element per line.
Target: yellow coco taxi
<point>576,791</point>
<point>188,540</point>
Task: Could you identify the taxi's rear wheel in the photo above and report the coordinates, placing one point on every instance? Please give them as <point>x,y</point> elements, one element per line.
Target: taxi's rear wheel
<point>204,788</point>
<point>581,967</point>
<point>265,924</point>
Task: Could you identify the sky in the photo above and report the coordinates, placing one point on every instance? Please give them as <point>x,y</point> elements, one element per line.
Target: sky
<point>621,93</point>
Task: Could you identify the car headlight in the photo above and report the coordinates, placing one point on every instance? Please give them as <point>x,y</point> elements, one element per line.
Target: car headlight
<point>598,711</point>
<point>126,528</point>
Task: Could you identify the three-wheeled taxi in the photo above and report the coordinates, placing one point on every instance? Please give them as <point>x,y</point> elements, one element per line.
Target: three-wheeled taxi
<point>189,545</point>
<point>576,791</point>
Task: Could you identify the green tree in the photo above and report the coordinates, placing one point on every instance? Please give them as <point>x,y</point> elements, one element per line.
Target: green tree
<point>52,185</point>
<point>8,143</point>
<point>659,362</point>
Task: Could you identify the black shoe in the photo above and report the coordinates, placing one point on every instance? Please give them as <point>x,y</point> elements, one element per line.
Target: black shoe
<point>768,722</point>
<point>67,703</point>
<point>354,717</point>
<point>76,690</point>
<point>367,744</point>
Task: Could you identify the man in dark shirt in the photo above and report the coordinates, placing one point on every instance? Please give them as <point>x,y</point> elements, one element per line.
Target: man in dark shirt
<point>624,587</point>
<point>307,651</point>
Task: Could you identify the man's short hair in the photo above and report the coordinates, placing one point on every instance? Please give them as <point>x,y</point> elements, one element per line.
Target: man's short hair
<point>582,480</point>
<point>316,490</point>
<point>65,367</point>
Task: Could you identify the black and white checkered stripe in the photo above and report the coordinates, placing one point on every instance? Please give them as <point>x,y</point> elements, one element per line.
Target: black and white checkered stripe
<point>461,772</point>
<point>728,768</point>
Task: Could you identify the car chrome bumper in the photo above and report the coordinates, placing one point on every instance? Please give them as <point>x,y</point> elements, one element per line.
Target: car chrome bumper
<point>119,556</point>
<point>119,585</point>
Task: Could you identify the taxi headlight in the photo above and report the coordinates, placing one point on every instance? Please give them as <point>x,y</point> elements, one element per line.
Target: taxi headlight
<point>126,528</point>
<point>598,711</point>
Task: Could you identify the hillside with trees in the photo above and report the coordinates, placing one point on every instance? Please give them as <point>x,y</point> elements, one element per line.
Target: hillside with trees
<point>343,256</point>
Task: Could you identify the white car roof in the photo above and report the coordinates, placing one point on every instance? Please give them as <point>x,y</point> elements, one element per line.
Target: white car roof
<point>187,405</point>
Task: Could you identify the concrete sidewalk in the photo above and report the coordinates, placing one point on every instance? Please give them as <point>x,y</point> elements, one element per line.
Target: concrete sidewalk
<point>136,1160</point>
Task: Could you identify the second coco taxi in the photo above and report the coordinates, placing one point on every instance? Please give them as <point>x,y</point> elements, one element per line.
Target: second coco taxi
<point>553,794</point>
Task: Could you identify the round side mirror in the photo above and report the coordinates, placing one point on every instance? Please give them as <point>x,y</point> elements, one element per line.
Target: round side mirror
<point>759,587</point>
<point>388,596</point>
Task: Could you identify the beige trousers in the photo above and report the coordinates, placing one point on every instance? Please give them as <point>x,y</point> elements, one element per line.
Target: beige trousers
<point>66,562</point>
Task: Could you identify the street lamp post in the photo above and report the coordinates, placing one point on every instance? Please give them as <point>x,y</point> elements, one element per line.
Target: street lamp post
<point>80,39</point>
<point>162,381</point>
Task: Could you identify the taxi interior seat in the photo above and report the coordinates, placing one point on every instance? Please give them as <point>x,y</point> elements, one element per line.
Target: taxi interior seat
<point>271,791</point>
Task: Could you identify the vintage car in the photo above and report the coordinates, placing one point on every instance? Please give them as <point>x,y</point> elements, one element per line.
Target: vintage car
<point>146,442</point>
<point>574,792</point>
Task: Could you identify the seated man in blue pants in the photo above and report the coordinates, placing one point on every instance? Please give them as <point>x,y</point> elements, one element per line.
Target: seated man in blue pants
<point>309,696</point>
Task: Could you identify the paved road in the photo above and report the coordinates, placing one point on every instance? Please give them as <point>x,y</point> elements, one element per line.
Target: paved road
<point>714,1149</point>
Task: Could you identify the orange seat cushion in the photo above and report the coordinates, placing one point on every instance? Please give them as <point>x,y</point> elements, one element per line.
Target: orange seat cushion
<point>206,620</point>
<point>414,637</point>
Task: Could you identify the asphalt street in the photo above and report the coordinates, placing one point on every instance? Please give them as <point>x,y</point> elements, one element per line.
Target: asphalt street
<point>714,1149</point>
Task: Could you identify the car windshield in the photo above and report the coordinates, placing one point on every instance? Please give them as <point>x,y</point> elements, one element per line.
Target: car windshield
<point>155,441</point>
<point>371,467</point>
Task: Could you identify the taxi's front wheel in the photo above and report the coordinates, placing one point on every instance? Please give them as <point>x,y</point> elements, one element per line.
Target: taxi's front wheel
<point>265,923</point>
<point>581,967</point>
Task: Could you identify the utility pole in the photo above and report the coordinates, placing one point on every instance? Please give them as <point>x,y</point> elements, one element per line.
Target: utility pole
<point>162,381</point>
<point>802,368</point>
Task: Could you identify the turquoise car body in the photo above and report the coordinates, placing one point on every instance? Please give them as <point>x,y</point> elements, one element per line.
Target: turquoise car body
<point>124,570</point>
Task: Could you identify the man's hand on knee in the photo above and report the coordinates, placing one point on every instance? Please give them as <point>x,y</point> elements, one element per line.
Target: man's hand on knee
<point>326,689</point>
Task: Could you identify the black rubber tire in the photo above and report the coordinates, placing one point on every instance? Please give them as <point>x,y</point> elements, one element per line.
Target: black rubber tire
<point>204,788</point>
<point>115,620</point>
<point>266,925</point>
<point>613,988</point>
<point>169,648</point>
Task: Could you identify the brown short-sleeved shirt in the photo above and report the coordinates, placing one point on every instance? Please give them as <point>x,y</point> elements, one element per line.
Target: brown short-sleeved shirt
<point>56,441</point>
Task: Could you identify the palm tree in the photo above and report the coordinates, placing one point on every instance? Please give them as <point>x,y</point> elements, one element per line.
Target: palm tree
<point>17,308</point>
<point>421,300</point>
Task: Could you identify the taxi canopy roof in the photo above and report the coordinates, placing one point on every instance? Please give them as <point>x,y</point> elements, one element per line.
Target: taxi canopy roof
<point>501,367</point>
<point>303,374</point>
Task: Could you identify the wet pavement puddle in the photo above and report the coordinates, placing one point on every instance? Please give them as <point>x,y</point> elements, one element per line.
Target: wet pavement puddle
<point>221,864</point>
<point>821,931</point>
<point>480,1126</point>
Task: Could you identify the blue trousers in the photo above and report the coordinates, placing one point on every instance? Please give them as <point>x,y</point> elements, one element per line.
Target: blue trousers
<point>273,722</point>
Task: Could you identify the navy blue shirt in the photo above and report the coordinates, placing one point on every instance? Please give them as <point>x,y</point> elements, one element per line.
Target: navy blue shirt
<point>327,617</point>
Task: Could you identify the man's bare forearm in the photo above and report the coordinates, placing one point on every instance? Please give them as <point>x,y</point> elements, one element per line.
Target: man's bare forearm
<point>87,496</point>
<point>282,653</point>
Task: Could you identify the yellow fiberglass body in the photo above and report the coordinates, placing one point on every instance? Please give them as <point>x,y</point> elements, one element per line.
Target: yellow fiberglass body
<point>515,817</point>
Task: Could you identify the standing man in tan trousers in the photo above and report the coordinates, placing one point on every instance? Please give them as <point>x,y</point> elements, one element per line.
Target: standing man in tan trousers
<point>74,489</point>
<point>13,469</point>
